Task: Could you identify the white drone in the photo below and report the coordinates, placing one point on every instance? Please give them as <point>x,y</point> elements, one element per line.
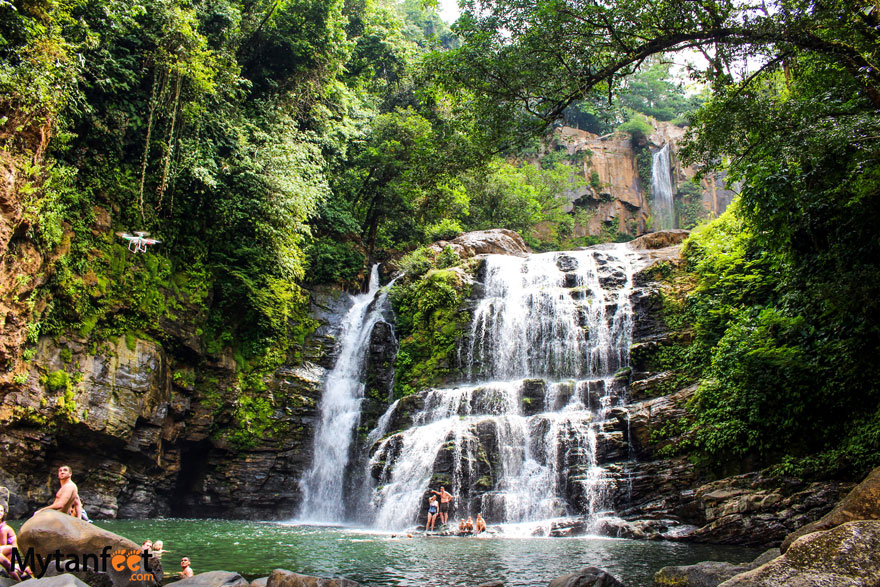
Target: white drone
<point>138,242</point>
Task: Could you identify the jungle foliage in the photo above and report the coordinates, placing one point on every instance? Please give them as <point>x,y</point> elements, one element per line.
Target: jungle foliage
<point>273,143</point>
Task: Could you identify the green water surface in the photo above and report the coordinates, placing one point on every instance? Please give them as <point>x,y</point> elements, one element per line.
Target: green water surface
<point>254,549</point>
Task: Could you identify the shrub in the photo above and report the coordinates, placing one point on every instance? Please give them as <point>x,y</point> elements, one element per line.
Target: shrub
<point>446,229</point>
<point>637,127</point>
<point>418,262</point>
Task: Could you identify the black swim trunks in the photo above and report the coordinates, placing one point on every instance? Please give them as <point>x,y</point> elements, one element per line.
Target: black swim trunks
<point>444,507</point>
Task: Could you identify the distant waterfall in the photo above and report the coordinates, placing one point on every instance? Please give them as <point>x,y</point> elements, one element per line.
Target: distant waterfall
<point>662,190</point>
<point>527,444</point>
<point>323,485</point>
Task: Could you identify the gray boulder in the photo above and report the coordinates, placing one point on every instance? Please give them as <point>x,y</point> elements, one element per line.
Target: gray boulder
<point>261,582</point>
<point>710,573</point>
<point>589,577</point>
<point>213,579</point>
<point>282,578</point>
<point>845,556</point>
<point>706,574</point>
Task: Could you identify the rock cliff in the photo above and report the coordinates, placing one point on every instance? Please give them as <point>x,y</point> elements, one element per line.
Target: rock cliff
<point>661,493</point>
<point>24,267</point>
<point>140,423</point>
<point>617,168</point>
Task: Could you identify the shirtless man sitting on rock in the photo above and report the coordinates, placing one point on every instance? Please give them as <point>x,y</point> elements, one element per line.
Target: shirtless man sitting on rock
<point>67,499</point>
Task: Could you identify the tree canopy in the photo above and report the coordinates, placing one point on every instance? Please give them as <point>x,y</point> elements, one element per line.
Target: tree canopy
<point>540,57</point>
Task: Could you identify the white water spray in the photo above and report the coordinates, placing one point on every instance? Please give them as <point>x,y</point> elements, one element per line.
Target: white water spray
<point>323,485</point>
<point>662,190</point>
<point>564,317</point>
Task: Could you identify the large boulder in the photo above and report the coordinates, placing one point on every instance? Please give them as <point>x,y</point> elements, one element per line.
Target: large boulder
<point>50,531</point>
<point>213,579</point>
<point>862,503</point>
<point>588,577</point>
<point>282,578</point>
<point>845,556</point>
<point>660,239</point>
<point>708,574</point>
<point>498,241</point>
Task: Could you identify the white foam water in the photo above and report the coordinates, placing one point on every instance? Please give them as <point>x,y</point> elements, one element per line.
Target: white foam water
<point>563,317</point>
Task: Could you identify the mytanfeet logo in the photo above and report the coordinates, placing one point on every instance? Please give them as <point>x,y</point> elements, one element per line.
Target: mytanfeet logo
<point>133,561</point>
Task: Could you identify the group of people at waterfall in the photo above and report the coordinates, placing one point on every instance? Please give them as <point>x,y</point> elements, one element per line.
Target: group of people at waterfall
<point>470,526</point>
<point>67,501</point>
<point>439,503</point>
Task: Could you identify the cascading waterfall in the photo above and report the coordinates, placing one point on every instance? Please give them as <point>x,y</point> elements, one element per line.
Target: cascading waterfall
<point>323,485</point>
<point>520,441</point>
<point>661,188</point>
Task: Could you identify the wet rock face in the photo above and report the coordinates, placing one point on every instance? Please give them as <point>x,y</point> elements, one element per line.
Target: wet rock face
<point>749,509</point>
<point>379,373</point>
<point>138,426</point>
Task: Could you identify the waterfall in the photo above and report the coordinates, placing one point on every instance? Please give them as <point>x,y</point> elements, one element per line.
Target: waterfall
<point>323,485</point>
<point>525,438</point>
<point>661,188</point>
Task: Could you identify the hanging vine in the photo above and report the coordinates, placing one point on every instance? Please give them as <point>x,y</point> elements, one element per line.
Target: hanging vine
<point>153,103</point>
<point>169,150</point>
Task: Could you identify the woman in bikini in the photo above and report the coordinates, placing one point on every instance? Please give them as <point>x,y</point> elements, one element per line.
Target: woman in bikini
<point>8,541</point>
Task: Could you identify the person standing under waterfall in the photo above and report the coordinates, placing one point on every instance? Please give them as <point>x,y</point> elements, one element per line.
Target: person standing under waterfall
<point>432,513</point>
<point>445,498</point>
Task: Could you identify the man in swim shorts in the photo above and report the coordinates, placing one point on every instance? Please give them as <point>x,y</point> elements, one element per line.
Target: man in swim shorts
<point>445,499</point>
